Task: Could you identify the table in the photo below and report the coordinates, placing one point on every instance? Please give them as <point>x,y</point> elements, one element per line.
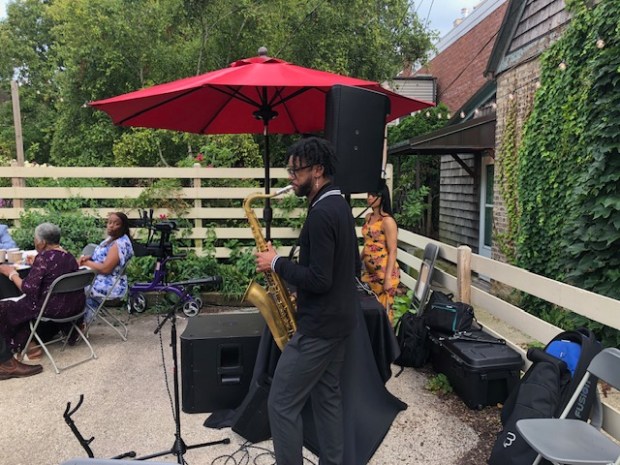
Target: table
<point>7,288</point>
<point>382,339</point>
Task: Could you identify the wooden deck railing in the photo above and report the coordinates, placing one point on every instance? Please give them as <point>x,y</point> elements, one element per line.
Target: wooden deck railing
<point>588,304</point>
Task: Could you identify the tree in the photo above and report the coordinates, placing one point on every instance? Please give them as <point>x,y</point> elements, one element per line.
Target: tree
<point>416,186</point>
<point>86,50</point>
<point>26,55</point>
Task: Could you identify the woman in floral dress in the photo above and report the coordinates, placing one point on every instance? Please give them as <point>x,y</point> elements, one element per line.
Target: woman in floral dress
<point>380,232</point>
<point>108,260</point>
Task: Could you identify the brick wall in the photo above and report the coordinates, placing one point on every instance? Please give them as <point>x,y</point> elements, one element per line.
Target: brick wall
<point>459,68</point>
<point>517,87</point>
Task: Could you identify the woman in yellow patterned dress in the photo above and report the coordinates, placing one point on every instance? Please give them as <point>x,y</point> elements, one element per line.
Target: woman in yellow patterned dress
<point>380,234</point>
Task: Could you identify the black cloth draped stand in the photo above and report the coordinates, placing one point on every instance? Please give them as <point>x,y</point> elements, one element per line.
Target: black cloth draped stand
<point>369,408</point>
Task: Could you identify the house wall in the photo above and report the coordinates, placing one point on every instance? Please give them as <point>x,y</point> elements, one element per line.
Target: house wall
<point>421,88</point>
<point>459,68</point>
<point>517,76</point>
<point>459,205</point>
<point>541,23</point>
<point>515,87</point>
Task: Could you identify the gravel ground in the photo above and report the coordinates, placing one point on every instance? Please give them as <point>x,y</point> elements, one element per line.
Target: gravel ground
<point>127,407</point>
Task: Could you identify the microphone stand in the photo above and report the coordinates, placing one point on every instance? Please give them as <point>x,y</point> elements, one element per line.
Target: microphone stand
<point>179,447</point>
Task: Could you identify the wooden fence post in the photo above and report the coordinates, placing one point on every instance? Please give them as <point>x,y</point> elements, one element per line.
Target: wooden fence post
<point>197,183</point>
<point>19,141</point>
<point>463,274</point>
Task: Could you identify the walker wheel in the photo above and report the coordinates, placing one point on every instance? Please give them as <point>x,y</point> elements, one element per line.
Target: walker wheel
<point>191,308</point>
<point>137,303</point>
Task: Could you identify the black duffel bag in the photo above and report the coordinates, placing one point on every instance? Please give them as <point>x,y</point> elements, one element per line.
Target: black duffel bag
<point>444,315</point>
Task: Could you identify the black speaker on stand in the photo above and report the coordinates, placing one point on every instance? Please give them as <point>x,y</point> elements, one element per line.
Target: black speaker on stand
<point>355,125</point>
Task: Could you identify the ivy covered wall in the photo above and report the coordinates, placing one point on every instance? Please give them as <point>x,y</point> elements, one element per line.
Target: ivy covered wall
<point>569,159</point>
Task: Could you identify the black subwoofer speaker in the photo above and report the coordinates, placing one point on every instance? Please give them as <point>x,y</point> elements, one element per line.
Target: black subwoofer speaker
<point>218,352</point>
<point>355,125</point>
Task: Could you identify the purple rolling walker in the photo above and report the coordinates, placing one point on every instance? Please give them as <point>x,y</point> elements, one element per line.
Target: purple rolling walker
<point>191,304</point>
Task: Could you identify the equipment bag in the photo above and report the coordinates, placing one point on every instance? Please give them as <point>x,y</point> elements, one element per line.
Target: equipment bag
<point>589,348</point>
<point>449,318</point>
<point>413,342</point>
<point>544,391</point>
<point>438,297</point>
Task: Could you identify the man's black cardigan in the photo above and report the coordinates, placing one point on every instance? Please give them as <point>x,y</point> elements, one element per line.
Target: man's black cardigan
<point>327,302</point>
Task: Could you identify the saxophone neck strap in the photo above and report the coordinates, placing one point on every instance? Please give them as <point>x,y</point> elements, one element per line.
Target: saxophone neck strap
<point>329,193</point>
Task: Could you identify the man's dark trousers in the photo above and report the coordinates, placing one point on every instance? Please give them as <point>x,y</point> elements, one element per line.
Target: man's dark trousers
<point>308,367</point>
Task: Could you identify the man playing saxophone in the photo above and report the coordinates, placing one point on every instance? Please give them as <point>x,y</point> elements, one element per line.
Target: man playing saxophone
<point>327,309</point>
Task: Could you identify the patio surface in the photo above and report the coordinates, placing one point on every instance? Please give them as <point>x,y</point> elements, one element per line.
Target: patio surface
<point>127,407</point>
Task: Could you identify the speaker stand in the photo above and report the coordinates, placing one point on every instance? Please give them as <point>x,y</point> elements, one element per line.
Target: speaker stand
<point>178,447</point>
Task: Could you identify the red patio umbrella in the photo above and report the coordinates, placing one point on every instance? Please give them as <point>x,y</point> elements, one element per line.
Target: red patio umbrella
<point>254,95</point>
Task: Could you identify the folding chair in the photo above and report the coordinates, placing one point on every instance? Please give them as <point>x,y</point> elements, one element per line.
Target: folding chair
<point>70,282</point>
<point>104,314</point>
<point>576,442</point>
<point>88,250</point>
<point>422,289</point>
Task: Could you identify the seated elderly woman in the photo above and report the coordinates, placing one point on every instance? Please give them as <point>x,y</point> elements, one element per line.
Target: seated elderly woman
<point>108,260</point>
<point>51,262</point>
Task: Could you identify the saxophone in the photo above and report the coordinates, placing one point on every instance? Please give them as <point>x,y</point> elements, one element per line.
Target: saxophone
<point>274,303</point>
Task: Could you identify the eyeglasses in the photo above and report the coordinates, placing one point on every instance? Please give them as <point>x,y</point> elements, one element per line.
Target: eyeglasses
<point>293,171</point>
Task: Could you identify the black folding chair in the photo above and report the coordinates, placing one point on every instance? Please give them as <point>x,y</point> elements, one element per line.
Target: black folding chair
<point>70,282</point>
<point>422,289</point>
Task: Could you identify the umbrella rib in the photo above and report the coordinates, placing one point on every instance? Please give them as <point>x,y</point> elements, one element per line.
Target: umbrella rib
<point>236,94</point>
<point>283,100</point>
<point>286,99</point>
<point>158,104</point>
<point>232,94</point>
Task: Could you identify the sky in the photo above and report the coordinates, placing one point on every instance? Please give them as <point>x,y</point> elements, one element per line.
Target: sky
<point>439,13</point>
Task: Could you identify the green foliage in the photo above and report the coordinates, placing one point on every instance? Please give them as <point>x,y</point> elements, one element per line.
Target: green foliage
<point>569,164</point>
<point>416,179</point>
<point>230,151</point>
<point>412,208</point>
<point>288,204</point>
<point>243,259</point>
<point>70,52</point>
<point>439,384</point>
<point>402,304</point>
<point>234,282</point>
<point>419,123</point>
<point>508,177</point>
<point>77,229</point>
<point>147,147</point>
<point>163,193</point>
<point>70,202</point>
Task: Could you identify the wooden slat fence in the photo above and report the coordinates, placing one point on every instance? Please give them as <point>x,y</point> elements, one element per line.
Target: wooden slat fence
<point>197,195</point>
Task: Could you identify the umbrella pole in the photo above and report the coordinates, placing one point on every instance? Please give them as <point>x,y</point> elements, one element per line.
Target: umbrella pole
<point>267,212</point>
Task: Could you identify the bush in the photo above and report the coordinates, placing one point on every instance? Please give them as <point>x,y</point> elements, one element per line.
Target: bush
<point>77,229</point>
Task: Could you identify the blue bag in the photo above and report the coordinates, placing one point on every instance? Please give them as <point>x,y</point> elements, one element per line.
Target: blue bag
<point>567,351</point>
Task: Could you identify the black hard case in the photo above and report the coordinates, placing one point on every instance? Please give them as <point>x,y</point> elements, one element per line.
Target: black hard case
<point>481,373</point>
